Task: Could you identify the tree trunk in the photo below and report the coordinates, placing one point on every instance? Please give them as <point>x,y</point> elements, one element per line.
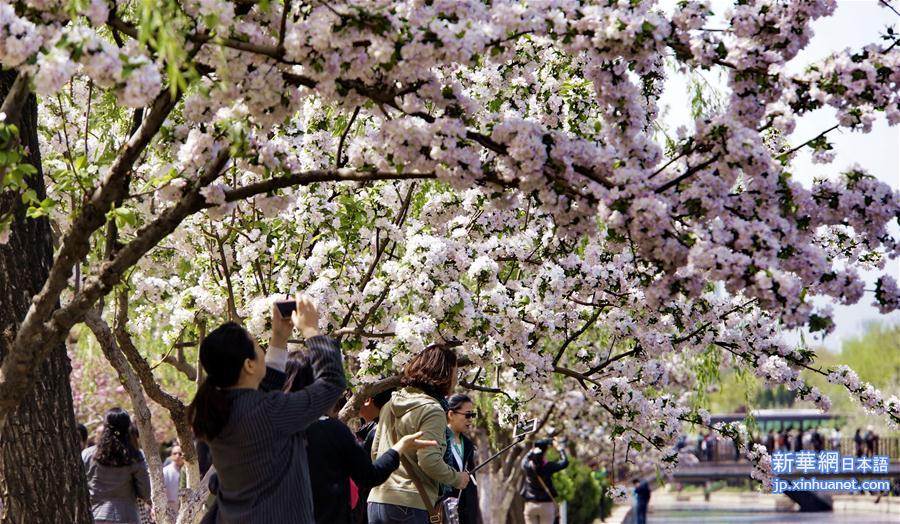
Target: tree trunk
<point>499,482</point>
<point>41,475</point>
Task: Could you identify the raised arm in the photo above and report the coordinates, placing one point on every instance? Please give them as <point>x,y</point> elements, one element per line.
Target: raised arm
<point>293,412</point>
<point>560,464</point>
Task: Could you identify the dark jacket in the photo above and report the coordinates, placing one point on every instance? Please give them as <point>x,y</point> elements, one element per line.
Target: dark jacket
<point>642,492</point>
<point>334,458</point>
<point>535,468</point>
<point>260,456</point>
<point>469,512</point>
<point>366,436</point>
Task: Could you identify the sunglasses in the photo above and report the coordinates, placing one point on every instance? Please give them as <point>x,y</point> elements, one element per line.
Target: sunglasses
<point>469,414</point>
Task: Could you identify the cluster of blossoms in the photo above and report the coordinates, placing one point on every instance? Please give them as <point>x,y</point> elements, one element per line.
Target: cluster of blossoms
<point>868,396</point>
<point>560,238</point>
<point>19,37</point>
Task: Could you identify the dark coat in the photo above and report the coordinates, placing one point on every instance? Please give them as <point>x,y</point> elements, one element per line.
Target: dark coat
<point>469,512</point>
<point>535,468</point>
<point>335,457</point>
<point>260,455</point>
<point>642,491</point>
<point>366,435</point>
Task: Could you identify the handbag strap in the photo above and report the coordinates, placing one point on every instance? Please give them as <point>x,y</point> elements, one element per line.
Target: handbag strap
<point>434,511</point>
<point>544,486</point>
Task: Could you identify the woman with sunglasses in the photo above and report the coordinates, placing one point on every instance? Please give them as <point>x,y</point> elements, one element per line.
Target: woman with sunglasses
<point>460,416</point>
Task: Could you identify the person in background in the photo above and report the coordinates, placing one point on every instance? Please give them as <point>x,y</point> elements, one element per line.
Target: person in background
<point>798,440</point>
<point>420,405</point>
<point>816,440</point>
<point>256,438</point>
<point>859,443</point>
<point>83,435</point>
<point>836,439</point>
<point>116,472</point>
<point>641,500</point>
<point>769,442</point>
<point>460,415</point>
<point>871,439</point>
<point>369,412</point>
<point>781,440</point>
<point>172,480</point>
<point>537,489</point>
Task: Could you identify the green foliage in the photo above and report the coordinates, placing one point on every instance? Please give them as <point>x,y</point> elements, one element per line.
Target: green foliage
<point>578,486</point>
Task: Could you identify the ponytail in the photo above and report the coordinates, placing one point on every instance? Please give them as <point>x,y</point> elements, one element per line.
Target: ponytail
<point>222,355</point>
<point>209,412</point>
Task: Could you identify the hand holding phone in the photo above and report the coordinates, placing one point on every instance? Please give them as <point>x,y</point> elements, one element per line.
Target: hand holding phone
<point>306,317</point>
<point>286,307</point>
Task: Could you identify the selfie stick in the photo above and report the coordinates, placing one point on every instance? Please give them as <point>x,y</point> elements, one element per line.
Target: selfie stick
<point>497,454</point>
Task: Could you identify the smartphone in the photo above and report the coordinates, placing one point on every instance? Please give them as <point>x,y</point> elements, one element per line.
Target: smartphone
<point>286,307</point>
<point>524,427</point>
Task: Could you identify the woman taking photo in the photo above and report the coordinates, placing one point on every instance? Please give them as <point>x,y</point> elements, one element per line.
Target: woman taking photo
<point>460,415</point>
<point>256,437</point>
<point>419,406</point>
<point>116,472</point>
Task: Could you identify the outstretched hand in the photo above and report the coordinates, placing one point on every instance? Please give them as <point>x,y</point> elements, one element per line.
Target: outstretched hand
<point>412,442</point>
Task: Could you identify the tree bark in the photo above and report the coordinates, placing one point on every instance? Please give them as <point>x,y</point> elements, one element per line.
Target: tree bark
<point>41,475</point>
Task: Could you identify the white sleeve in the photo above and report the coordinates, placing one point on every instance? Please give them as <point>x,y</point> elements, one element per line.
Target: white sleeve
<point>276,358</point>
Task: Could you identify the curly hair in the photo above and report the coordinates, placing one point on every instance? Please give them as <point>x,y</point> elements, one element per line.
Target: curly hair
<point>116,447</point>
<point>431,370</point>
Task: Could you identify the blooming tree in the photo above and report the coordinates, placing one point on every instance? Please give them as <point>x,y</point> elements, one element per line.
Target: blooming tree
<point>485,174</point>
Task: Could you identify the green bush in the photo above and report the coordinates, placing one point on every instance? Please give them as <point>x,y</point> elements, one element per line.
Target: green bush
<point>582,489</point>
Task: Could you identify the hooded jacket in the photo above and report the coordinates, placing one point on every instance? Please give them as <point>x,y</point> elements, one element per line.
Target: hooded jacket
<point>411,410</point>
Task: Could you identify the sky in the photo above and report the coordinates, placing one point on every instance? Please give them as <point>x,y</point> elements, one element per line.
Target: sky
<point>854,24</point>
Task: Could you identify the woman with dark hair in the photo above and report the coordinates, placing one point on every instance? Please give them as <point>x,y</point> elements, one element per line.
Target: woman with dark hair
<point>116,472</point>
<point>257,438</point>
<point>460,414</point>
<point>411,492</point>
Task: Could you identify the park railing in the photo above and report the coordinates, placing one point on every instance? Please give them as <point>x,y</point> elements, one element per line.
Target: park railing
<point>723,450</point>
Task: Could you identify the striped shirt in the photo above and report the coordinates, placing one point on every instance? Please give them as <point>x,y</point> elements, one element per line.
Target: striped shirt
<point>260,456</point>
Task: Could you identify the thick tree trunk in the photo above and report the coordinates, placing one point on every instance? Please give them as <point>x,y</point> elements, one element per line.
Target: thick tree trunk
<point>41,476</point>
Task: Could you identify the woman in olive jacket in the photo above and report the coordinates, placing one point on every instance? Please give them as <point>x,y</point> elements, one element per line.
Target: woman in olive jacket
<point>419,406</point>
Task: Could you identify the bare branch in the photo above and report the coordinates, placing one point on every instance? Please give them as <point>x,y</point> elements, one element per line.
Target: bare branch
<point>309,177</point>
<point>574,336</point>
<point>339,159</point>
<point>484,389</point>
<point>369,390</point>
